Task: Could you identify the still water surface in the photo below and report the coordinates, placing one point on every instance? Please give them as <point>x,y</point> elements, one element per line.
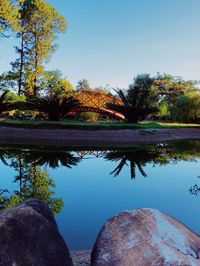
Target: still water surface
<point>85,188</point>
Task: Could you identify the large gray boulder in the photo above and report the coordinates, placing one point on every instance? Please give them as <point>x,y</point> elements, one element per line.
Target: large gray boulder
<point>145,237</point>
<point>29,237</point>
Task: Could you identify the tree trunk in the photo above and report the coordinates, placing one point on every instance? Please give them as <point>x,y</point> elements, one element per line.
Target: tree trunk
<point>21,65</point>
<point>36,68</point>
<point>132,117</point>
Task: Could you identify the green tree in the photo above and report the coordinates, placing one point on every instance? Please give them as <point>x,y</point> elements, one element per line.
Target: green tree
<point>89,116</point>
<point>140,100</point>
<point>44,23</point>
<point>103,89</point>
<point>39,186</point>
<point>33,183</point>
<point>170,88</point>
<point>55,83</point>
<point>7,102</point>
<point>4,199</point>
<point>163,112</point>
<point>24,36</point>
<point>8,16</point>
<point>83,85</point>
<point>39,25</point>
<point>8,81</point>
<point>187,108</point>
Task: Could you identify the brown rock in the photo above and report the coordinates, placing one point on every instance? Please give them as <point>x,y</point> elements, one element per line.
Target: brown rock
<point>145,237</point>
<point>29,237</point>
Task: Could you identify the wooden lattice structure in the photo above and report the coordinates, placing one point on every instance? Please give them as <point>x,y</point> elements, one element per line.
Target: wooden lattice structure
<point>90,154</point>
<point>93,101</point>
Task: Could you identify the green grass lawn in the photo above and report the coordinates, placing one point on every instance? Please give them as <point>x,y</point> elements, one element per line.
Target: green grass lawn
<point>97,125</point>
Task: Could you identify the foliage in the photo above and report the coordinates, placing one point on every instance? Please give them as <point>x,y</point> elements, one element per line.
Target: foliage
<point>53,158</point>
<point>38,185</point>
<point>137,158</point>
<point>54,83</point>
<point>54,106</point>
<point>8,81</point>
<point>22,49</point>
<point>83,85</point>
<point>194,190</point>
<point>44,23</point>
<point>103,89</point>
<point>89,116</point>
<point>7,102</point>
<point>9,16</point>
<point>160,154</point>
<point>187,108</point>
<point>10,102</point>
<point>170,88</point>
<point>39,23</point>
<point>139,101</point>
<point>33,183</point>
<point>163,112</point>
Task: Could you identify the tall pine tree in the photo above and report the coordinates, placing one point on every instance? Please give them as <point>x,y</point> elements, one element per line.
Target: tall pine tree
<point>45,23</point>
<point>39,24</point>
<point>8,15</point>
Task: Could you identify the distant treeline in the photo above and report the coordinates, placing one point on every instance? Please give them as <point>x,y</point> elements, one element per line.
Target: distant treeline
<point>34,26</point>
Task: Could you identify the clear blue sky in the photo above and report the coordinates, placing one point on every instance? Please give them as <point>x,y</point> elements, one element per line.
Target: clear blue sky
<point>111,41</point>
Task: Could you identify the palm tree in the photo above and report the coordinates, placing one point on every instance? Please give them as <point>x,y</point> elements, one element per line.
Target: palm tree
<point>6,102</point>
<point>139,101</point>
<point>54,106</point>
<point>158,154</point>
<point>137,158</point>
<point>52,158</point>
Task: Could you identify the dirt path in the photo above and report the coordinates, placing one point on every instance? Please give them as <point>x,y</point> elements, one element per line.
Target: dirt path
<point>93,138</point>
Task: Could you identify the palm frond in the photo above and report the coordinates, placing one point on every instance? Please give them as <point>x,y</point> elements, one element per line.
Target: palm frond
<point>118,169</point>
<point>6,103</point>
<point>54,106</point>
<point>121,96</point>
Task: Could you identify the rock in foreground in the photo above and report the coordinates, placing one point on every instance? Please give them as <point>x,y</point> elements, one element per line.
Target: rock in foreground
<point>145,237</point>
<point>81,257</point>
<point>29,237</point>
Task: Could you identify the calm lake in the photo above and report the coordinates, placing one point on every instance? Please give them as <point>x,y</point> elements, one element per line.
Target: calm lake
<point>86,187</point>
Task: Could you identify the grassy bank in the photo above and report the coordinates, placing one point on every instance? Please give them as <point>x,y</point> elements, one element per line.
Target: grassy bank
<point>98,125</point>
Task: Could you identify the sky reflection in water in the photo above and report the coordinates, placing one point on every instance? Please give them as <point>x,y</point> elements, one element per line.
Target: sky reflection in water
<point>93,189</point>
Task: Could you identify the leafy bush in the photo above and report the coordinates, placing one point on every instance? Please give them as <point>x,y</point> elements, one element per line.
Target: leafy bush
<point>187,108</point>
<point>89,116</point>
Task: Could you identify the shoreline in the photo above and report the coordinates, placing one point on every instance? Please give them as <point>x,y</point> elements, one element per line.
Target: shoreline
<point>120,138</point>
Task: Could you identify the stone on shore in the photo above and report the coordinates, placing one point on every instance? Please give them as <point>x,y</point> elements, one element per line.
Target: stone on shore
<point>81,257</point>
<point>145,237</point>
<point>29,237</point>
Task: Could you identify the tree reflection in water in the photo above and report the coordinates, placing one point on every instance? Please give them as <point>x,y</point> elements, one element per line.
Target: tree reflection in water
<point>137,159</point>
<point>52,158</point>
<point>33,182</point>
<point>195,189</point>
<point>160,154</point>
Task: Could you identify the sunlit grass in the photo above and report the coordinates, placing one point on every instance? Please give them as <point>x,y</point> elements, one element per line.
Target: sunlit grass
<point>178,124</point>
